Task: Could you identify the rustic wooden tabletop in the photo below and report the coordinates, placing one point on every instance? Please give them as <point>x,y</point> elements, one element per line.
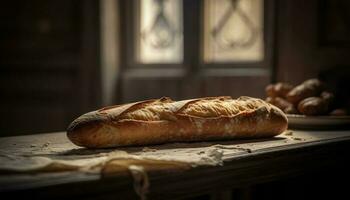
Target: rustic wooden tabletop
<point>233,163</point>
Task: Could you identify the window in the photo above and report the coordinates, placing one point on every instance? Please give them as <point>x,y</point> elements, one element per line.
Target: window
<point>228,31</point>
<point>159,32</point>
<point>192,48</point>
<point>233,30</point>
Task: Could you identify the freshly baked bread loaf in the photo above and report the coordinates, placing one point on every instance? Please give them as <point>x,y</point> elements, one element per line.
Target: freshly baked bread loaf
<point>163,120</point>
<point>282,104</point>
<point>309,88</point>
<point>313,106</point>
<point>278,90</point>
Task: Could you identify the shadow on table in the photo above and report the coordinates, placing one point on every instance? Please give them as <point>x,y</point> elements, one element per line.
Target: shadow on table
<point>176,145</point>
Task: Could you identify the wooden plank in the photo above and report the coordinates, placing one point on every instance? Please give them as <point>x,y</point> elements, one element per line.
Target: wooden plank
<point>269,160</point>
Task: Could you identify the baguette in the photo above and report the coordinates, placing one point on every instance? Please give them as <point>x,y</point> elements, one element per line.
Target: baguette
<point>163,120</point>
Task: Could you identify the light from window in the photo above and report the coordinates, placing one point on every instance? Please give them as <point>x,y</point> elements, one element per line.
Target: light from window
<point>233,31</point>
<point>160,35</point>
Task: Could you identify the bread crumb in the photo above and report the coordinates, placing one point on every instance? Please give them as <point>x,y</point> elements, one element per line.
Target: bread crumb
<point>45,145</point>
<point>296,138</point>
<point>289,133</point>
<point>32,145</point>
<point>231,147</point>
<point>201,152</point>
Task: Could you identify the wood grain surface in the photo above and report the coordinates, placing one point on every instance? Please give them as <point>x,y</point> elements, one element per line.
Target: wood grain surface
<point>245,162</point>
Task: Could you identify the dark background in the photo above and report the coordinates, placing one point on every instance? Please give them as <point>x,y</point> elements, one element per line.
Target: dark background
<point>51,71</point>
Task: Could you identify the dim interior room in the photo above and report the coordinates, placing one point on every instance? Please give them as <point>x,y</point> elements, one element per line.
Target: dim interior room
<point>57,65</point>
<point>60,59</point>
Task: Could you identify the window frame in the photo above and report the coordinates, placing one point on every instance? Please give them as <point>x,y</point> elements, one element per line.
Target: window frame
<point>268,24</point>
<point>129,42</point>
<point>193,39</point>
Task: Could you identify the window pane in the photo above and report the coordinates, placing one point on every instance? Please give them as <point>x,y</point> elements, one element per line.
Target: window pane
<point>160,35</point>
<point>233,30</point>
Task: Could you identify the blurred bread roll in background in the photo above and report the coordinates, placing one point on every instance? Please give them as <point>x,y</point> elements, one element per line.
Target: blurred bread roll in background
<point>278,90</point>
<point>308,98</point>
<point>282,104</point>
<point>309,88</point>
<point>313,106</point>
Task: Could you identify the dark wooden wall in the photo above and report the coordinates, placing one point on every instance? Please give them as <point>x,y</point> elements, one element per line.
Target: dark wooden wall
<point>50,69</point>
<point>313,37</point>
<point>313,40</point>
<point>48,63</point>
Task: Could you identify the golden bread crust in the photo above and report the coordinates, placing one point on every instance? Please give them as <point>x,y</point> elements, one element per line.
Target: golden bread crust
<point>163,120</point>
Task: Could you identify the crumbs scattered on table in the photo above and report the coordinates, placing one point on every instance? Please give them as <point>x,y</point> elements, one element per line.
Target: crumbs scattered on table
<point>45,145</point>
<point>237,147</point>
<point>297,138</point>
<point>288,132</point>
<point>201,152</point>
<point>147,149</point>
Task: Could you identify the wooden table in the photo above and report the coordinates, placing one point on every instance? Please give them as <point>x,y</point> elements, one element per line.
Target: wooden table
<point>253,162</point>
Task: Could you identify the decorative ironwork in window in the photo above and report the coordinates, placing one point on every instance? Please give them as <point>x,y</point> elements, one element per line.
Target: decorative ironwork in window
<point>160,36</point>
<point>233,31</point>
